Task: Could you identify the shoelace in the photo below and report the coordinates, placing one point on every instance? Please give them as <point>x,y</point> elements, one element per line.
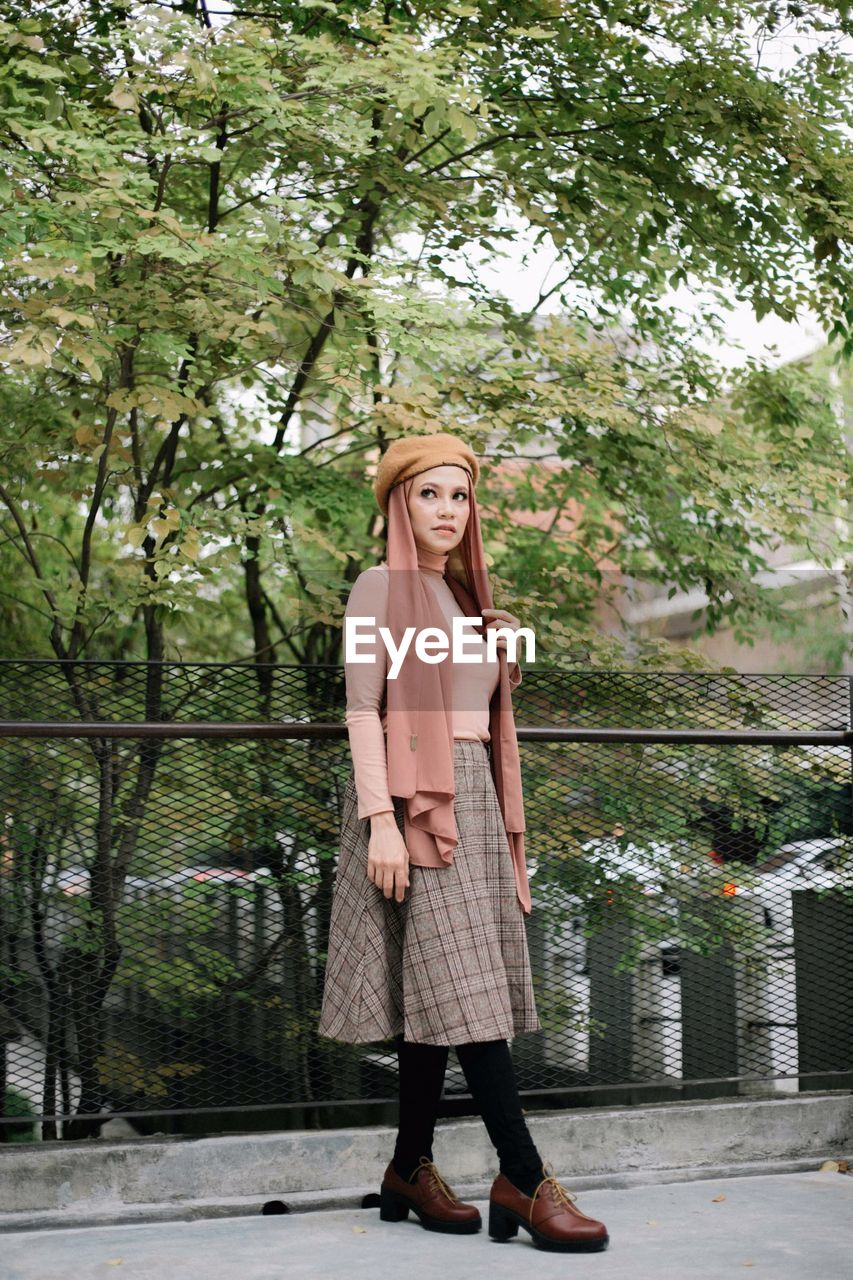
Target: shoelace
<point>436,1179</point>
<point>560,1192</point>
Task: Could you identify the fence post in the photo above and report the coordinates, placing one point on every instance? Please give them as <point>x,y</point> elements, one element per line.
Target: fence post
<point>823,952</point>
<point>709,1034</point>
<point>611,998</point>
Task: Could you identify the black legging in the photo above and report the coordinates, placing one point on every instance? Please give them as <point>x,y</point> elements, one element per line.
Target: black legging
<point>491,1082</point>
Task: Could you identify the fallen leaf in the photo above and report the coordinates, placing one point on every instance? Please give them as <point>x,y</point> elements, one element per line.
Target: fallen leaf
<point>652,1222</point>
<point>718,1199</point>
<point>747,1264</point>
<point>359,1231</point>
<point>114,1262</point>
<point>830,1166</point>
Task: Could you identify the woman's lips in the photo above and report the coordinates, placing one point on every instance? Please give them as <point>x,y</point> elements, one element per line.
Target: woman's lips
<point>444,529</point>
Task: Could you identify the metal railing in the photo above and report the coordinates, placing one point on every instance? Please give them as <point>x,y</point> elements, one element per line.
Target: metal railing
<point>167,859</point>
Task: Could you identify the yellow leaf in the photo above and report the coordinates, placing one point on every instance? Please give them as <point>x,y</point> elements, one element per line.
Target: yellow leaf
<point>65,317</point>
<point>718,1199</point>
<point>706,422</point>
<point>26,354</point>
<point>122,399</point>
<point>135,535</point>
<point>42,269</point>
<point>190,546</point>
<point>122,98</point>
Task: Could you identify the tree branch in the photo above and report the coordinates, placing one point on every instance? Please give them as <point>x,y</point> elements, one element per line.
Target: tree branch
<point>56,640</point>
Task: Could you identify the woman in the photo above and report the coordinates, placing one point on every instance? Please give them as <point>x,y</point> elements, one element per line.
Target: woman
<point>426,941</point>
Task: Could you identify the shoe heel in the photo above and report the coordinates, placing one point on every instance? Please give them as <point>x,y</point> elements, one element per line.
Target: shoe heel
<point>392,1208</point>
<point>502,1226</point>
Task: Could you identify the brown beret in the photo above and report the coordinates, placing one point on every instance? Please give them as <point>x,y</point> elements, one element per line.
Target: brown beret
<point>409,455</point>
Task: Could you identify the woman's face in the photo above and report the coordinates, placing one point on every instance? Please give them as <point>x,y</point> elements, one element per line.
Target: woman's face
<point>439,497</point>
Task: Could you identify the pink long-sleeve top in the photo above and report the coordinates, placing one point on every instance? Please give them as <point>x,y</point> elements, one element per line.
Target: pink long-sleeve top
<point>473,683</point>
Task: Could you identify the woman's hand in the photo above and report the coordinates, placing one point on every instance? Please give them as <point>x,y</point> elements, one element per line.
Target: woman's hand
<point>387,856</point>
<point>494,618</point>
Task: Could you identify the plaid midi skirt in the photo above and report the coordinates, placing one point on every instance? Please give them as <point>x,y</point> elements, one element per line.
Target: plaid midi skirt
<point>447,965</point>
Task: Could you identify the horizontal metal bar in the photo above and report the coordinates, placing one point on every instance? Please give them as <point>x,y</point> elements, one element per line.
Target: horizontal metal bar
<point>169,729</point>
<point>766,737</point>
<point>249,664</point>
<point>296,730</point>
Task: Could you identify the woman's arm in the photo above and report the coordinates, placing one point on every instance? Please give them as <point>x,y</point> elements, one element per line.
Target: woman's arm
<point>365,685</point>
<point>387,855</point>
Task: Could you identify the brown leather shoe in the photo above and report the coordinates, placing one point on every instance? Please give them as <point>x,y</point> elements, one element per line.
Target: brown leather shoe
<point>550,1215</point>
<point>426,1192</point>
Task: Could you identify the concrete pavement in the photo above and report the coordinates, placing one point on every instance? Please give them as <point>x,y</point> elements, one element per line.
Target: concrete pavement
<point>67,1184</point>
<point>795,1226</point>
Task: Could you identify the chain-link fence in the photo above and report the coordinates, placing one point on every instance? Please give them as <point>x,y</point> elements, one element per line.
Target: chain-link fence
<point>167,858</point>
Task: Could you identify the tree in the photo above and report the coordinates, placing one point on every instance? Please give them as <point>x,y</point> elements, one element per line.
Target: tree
<point>212,233</point>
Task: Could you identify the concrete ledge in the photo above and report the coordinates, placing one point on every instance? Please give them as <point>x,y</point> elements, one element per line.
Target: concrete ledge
<point>83,1183</point>
<point>351,1198</point>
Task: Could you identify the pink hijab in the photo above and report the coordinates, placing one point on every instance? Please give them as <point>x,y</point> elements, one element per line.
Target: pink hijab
<point>418,701</point>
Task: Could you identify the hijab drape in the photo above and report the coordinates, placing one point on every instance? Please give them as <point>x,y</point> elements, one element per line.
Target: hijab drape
<point>419,701</point>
